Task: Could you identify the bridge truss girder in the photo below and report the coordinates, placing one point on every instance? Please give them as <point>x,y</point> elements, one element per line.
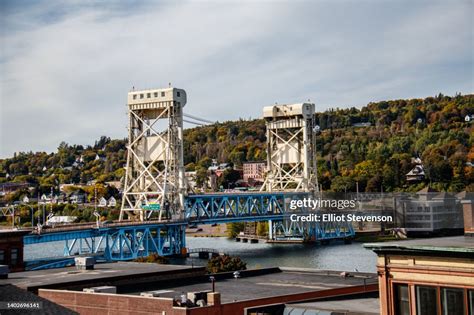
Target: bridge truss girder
<point>230,207</point>
<point>119,244</point>
<point>312,231</point>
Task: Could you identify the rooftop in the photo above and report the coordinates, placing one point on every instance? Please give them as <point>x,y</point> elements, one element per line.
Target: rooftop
<point>113,273</point>
<point>135,278</point>
<point>454,245</point>
<point>279,282</point>
<point>338,306</point>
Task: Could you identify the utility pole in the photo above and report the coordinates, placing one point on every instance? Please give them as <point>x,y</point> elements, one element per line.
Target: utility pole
<point>96,214</point>
<point>52,192</point>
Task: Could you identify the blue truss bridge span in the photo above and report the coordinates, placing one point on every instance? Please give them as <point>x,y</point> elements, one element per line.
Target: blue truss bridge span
<point>224,208</point>
<point>127,240</point>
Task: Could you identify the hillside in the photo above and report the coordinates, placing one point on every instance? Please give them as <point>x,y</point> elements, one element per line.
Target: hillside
<point>376,156</point>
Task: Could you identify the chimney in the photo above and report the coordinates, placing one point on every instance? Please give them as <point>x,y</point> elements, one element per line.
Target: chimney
<point>468,210</point>
<point>213,298</point>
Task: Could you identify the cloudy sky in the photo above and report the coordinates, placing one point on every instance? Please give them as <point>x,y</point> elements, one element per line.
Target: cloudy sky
<point>65,69</point>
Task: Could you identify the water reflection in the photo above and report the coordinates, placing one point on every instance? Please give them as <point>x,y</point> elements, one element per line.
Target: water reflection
<point>335,256</point>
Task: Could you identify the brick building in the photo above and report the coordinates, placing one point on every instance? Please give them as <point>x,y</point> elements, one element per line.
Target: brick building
<point>11,249</point>
<point>254,171</point>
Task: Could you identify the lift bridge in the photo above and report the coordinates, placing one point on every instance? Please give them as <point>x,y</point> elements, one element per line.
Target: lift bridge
<point>157,204</point>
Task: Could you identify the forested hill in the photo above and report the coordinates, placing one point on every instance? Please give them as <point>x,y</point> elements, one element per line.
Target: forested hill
<point>373,146</point>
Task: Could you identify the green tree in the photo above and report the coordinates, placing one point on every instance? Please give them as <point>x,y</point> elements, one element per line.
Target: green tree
<point>225,263</point>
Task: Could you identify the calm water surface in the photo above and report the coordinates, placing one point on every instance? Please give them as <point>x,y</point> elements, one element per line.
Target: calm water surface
<point>336,256</point>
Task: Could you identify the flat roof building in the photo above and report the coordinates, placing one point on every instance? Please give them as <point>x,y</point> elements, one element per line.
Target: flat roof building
<point>429,211</point>
<point>146,288</point>
<point>11,249</point>
<point>254,171</point>
<point>426,276</point>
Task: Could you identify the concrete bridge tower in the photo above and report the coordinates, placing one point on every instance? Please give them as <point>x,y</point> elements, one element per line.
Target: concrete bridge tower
<point>291,148</point>
<point>154,181</point>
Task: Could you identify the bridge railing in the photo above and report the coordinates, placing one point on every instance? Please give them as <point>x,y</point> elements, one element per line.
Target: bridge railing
<point>202,250</point>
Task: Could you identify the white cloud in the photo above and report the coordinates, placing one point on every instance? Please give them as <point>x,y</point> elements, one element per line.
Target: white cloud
<point>66,69</point>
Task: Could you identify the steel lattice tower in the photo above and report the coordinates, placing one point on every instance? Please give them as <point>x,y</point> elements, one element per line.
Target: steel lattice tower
<point>154,179</point>
<point>291,148</point>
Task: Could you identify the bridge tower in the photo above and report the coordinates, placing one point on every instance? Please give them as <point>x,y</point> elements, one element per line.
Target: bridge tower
<point>154,179</point>
<point>291,148</point>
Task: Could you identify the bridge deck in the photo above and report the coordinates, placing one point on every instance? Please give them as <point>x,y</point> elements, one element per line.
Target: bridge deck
<point>127,240</point>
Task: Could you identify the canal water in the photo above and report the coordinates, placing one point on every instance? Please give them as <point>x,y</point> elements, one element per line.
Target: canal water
<point>335,256</point>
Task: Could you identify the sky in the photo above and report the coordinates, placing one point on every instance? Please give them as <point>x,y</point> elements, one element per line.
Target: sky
<point>66,66</point>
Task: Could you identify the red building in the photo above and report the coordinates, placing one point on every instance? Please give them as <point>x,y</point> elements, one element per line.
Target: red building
<point>11,249</point>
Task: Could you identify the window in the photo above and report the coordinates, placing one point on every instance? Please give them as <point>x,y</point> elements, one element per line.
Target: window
<point>178,94</point>
<point>141,95</point>
<point>155,94</point>
<point>426,300</point>
<point>402,301</point>
<point>471,301</point>
<point>14,256</point>
<point>134,96</point>
<point>148,95</point>
<point>452,301</point>
<point>2,257</point>
<point>162,94</point>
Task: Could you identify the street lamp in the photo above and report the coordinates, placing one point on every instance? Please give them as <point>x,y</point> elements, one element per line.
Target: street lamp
<point>213,280</point>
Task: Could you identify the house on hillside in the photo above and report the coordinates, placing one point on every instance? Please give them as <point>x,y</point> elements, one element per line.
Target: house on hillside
<point>77,197</point>
<point>99,158</point>
<point>102,202</point>
<point>254,172</point>
<point>218,169</point>
<point>46,198</point>
<point>111,202</point>
<point>417,173</point>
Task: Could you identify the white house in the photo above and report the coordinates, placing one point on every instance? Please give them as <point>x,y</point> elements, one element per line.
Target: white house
<point>45,199</point>
<point>112,202</point>
<point>99,158</point>
<point>102,202</point>
<point>61,219</point>
<point>77,198</point>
